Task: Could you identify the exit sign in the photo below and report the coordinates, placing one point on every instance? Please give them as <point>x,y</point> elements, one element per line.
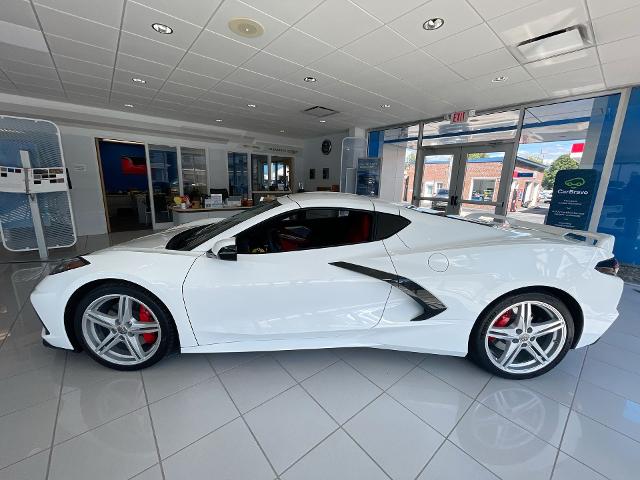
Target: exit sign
<point>459,117</point>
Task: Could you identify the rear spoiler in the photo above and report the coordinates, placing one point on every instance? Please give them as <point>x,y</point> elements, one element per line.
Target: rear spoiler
<point>600,240</point>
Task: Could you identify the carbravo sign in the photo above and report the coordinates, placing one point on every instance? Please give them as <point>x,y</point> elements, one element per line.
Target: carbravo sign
<point>572,200</point>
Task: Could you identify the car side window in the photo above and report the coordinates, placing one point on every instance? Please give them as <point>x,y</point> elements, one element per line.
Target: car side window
<point>388,224</point>
<point>307,229</point>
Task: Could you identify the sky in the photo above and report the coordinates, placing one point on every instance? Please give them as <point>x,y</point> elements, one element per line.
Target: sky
<point>549,151</point>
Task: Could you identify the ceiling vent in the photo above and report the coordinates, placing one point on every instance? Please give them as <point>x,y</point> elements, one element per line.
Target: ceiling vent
<point>320,112</point>
<point>563,41</point>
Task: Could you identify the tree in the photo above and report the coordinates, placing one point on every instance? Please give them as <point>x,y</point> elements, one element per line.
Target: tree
<point>563,162</point>
<point>471,156</point>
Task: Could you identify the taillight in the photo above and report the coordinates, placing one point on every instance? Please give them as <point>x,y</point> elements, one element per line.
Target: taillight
<point>609,266</point>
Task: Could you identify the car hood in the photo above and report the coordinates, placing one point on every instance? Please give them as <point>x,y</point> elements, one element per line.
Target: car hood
<point>158,241</point>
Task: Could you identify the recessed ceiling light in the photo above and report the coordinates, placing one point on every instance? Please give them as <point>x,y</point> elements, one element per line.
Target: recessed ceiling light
<point>246,27</point>
<point>251,105</point>
<point>310,79</point>
<point>323,121</point>
<point>281,131</point>
<point>500,79</point>
<point>433,23</point>
<point>128,105</point>
<point>138,80</point>
<point>162,28</point>
<point>385,105</point>
<point>218,119</point>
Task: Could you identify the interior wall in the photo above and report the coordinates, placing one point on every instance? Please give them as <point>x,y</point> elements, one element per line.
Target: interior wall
<point>392,173</point>
<point>314,158</point>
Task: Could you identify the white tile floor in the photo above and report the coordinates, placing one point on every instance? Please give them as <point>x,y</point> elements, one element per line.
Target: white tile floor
<point>330,414</point>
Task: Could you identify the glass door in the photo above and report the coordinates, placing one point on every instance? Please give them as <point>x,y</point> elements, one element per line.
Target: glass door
<point>438,169</point>
<point>165,184</point>
<point>483,179</point>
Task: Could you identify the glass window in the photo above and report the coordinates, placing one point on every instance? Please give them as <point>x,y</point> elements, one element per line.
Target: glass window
<point>481,128</point>
<point>259,172</point>
<point>194,171</point>
<point>388,225</point>
<point>164,178</point>
<point>281,173</point>
<point>307,229</point>
<point>238,173</point>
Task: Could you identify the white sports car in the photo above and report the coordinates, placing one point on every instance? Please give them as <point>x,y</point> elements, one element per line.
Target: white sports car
<point>322,270</point>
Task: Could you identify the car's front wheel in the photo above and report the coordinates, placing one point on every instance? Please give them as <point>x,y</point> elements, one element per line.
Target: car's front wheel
<point>522,336</point>
<point>123,327</point>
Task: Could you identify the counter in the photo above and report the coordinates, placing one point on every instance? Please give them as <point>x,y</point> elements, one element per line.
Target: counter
<point>187,215</point>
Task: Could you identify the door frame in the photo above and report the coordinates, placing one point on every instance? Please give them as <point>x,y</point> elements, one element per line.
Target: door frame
<point>458,172</point>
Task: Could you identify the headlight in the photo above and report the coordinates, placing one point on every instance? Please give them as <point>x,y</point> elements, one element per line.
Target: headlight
<point>69,264</point>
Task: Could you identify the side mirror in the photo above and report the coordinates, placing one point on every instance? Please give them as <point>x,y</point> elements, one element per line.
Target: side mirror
<point>224,250</point>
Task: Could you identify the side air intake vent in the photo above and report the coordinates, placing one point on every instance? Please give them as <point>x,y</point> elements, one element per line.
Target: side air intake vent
<point>319,112</point>
<point>562,41</point>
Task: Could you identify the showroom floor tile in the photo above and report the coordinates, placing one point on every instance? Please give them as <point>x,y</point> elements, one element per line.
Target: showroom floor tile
<point>339,414</point>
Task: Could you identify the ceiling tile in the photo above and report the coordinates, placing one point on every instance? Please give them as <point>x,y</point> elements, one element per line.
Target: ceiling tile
<point>34,80</point>
<point>138,19</point>
<point>621,73</point>
<point>39,91</point>
<point>81,51</point>
<point>297,92</point>
<point>122,98</point>
<point>129,89</point>
<point>538,19</point>
<point>420,69</point>
<point>339,65</point>
<point>249,78</point>
<point>192,62</point>
<point>86,99</point>
<point>514,75</point>
<point>105,12</point>
<point>180,89</point>
<point>192,79</point>
<point>600,8</point>
<point>268,64</point>
<point>13,52</point>
<point>219,47</point>
<point>514,94</point>
<point>124,76</point>
<point>379,46</point>
<point>234,9</point>
<point>289,11</point>
<point>494,8</point>
<point>80,79</point>
<point>19,12</point>
<point>82,89</point>
<point>564,63</point>
<point>298,47</point>
<point>387,10</point>
<point>80,29</point>
<point>486,63</point>
<point>620,50</point>
<point>617,25</point>
<point>141,66</point>
<point>338,29</point>
<point>197,12</point>
<point>80,66</point>
<point>573,83</point>
<point>218,98</point>
<point>46,70</point>
<point>475,41</point>
<point>457,15</point>
<point>150,50</point>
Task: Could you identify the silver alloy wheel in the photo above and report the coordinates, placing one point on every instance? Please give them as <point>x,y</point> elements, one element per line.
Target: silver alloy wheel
<point>526,337</point>
<point>112,328</point>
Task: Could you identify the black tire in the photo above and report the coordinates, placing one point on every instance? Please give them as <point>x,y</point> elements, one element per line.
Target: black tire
<point>478,353</point>
<point>168,335</point>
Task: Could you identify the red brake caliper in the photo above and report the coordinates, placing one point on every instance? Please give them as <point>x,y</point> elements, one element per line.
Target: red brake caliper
<point>145,316</point>
<point>503,321</point>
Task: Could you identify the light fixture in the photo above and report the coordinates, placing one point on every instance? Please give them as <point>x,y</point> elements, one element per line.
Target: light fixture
<point>162,28</point>
<point>433,23</point>
<point>246,27</point>
<point>251,105</point>
<point>500,79</point>
<point>385,105</point>
<point>128,105</point>
<point>218,119</point>
<point>281,131</point>
<point>141,81</point>
<point>323,121</point>
<point>310,79</point>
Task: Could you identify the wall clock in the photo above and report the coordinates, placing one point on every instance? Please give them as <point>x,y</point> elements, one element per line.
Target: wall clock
<point>326,146</point>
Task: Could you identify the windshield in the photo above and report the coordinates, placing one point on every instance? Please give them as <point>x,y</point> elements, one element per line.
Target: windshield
<point>190,239</point>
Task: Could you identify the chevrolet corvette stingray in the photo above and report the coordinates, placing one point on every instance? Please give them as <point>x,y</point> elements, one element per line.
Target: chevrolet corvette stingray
<point>324,270</point>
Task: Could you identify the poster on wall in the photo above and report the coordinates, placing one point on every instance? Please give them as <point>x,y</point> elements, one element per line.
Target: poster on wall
<point>368,177</point>
<point>573,194</point>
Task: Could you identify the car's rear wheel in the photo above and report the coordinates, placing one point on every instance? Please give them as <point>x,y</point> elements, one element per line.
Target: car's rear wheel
<point>123,327</point>
<point>522,336</point>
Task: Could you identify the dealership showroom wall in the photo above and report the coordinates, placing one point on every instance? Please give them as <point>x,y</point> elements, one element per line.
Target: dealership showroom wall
<point>148,114</point>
